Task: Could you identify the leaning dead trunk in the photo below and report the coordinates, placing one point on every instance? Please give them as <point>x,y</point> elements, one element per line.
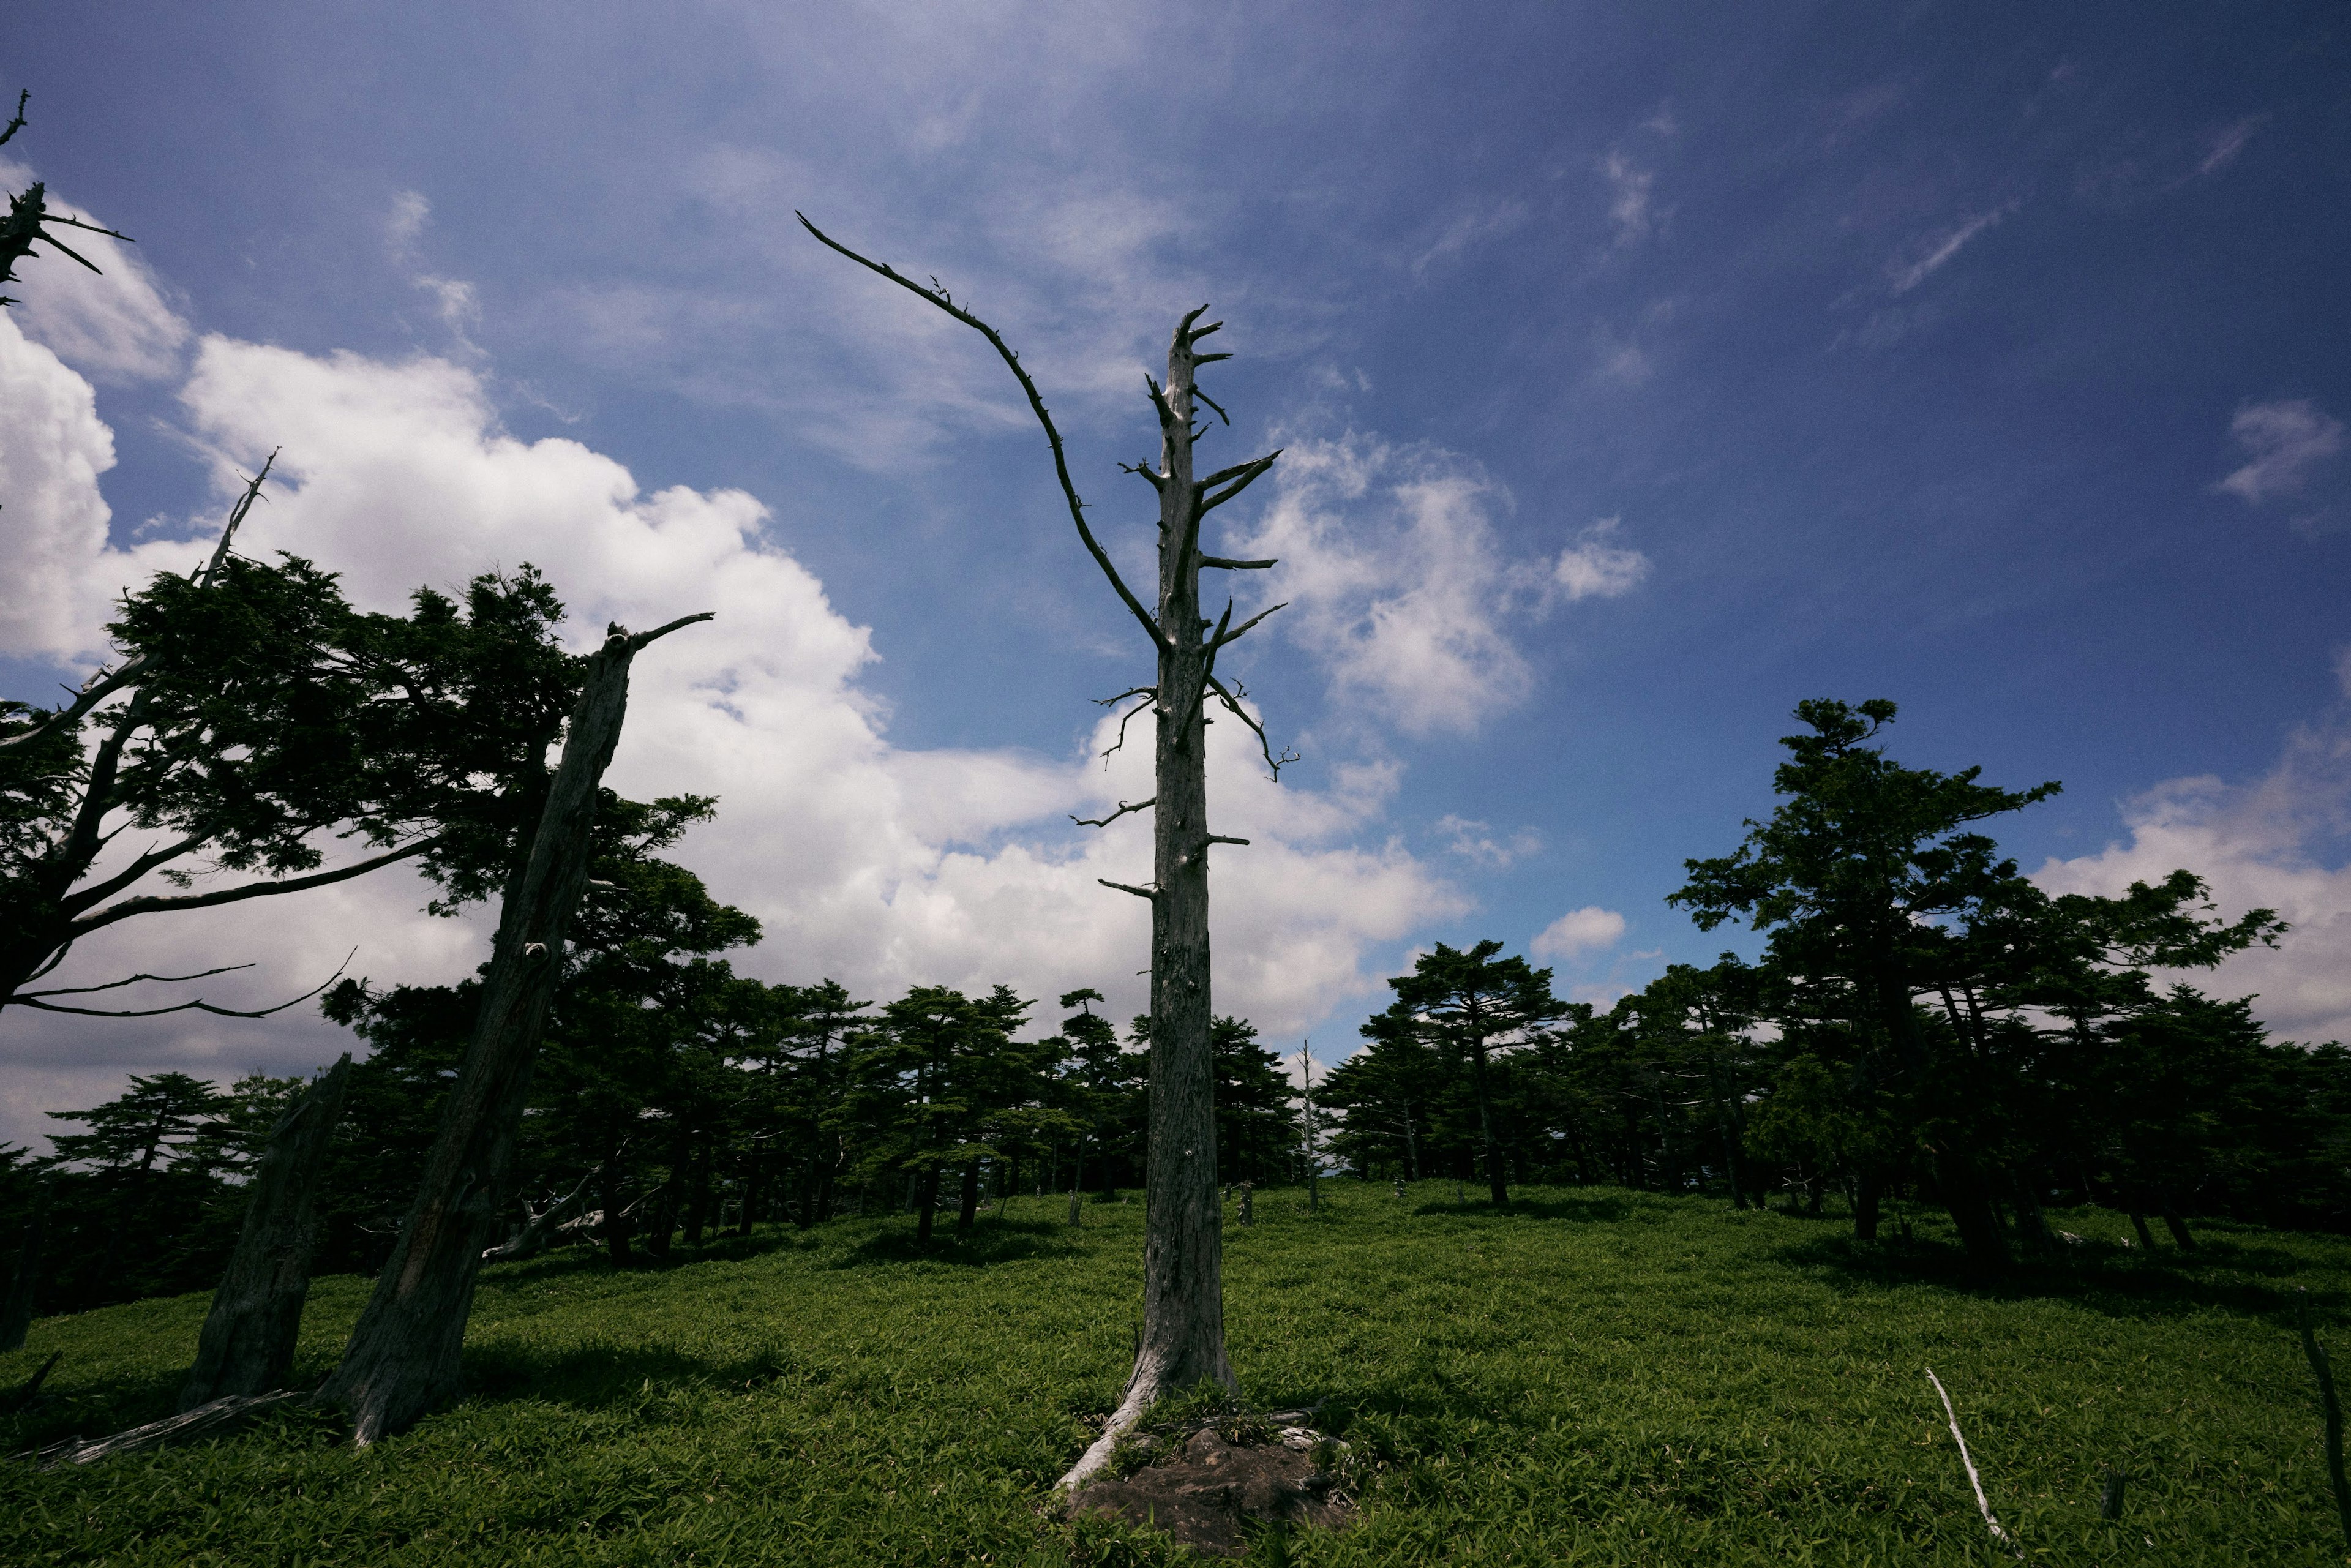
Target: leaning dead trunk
<point>247,1343</point>
<point>403,1357</point>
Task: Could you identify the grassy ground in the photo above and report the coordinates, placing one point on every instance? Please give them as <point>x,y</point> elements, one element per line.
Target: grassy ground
<point>1592,1376</point>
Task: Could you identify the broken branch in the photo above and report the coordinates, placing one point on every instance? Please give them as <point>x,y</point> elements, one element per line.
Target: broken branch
<point>1232,701</point>
<point>1235,633</point>
<point>1230,565</point>
<point>1982,1505</point>
<point>1122,887</point>
<point>1122,810</point>
<point>32,999</point>
<point>1036,403</point>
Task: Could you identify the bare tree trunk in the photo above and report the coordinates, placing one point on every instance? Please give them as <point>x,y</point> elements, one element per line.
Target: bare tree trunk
<point>929,1180</point>
<point>16,1305</point>
<point>247,1343</point>
<point>402,1358</point>
<point>1183,1336</point>
<point>1500,1193</point>
<point>967,1206</point>
<point>2174,1222</point>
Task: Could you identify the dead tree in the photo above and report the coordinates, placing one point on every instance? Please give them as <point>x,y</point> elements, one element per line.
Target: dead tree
<point>402,1356</point>
<point>1183,1337</point>
<point>247,1343</point>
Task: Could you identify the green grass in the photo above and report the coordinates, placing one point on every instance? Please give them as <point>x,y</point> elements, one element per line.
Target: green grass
<point>1592,1377</point>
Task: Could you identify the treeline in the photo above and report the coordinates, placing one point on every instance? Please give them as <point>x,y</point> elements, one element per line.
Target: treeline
<point>1923,1021</point>
<point>672,1100</point>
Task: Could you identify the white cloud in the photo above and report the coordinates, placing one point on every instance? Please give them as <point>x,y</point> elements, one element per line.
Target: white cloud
<point>53,521</point>
<point>1578,932</point>
<point>1629,190</point>
<point>455,300</point>
<point>1932,252</point>
<point>875,864</point>
<point>2284,439</point>
<point>1593,567</point>
<point>1470,228</point>
<point>114,324</point>
<point>2258,845</point>
<point>1479,842</point>
<point>1398,584</point>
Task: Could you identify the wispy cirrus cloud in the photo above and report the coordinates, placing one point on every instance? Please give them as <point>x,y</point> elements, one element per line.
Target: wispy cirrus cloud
<point>1935,252</point>
<point>2284,442</point>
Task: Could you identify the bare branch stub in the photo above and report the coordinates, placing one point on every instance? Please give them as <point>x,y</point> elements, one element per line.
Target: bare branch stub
<point>1151,893</point>
<point>24,96</point>
<point>1122,810</point>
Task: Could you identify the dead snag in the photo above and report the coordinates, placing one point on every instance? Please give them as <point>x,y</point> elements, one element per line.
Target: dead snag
<point>1183,1338</point>
<point>248,1344</point>
<point>403,1355</point>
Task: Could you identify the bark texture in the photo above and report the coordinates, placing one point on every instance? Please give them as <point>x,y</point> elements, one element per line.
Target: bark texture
<point>403,1357</point>
<point>247,1343</point>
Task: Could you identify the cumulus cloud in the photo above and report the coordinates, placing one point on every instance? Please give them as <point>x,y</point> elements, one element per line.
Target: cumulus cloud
<point>1577,933</point>
<point>1594,567</point>
<point>2284,442</point>
<point>53,447</point>
<point>876,864</point>
<point>1399,584</point>
<point>113,325</point>
<point>2260,844</point>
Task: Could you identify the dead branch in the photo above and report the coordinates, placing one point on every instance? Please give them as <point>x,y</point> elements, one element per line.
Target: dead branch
<point>33,999</point>
<point>24,95</point>
<point>1158,483</point>
<point>1240,631</point>
<point>204,1420</point>
<point>1982,1505</point>
<point>1241,478</point>
<point>1230,565</point>
<point>1221,839</point>
<point>134,979</point>
<point>1122,887</point>
<point>1036,403</point>
<point>235,518</point>
<point>1122,810</point>
<point>1232,701</point>
<point>1123,721</point>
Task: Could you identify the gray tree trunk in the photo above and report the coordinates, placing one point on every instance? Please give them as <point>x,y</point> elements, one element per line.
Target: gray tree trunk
<point>402,1356</point>
<point>247,1343</point>
<point>16,1305</point>
<point>1182,1341</point>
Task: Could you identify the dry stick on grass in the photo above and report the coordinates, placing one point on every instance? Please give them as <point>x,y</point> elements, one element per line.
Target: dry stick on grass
<point>1975,1480</point>
<point>2317,1354</point>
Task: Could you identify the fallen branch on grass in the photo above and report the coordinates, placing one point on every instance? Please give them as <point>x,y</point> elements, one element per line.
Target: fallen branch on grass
<point>1975,1480</point>
<point>203,1421</point>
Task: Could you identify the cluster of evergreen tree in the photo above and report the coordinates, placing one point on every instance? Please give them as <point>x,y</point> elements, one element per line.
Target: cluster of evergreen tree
<point>678,1098</point>
<point>1922,1021</point>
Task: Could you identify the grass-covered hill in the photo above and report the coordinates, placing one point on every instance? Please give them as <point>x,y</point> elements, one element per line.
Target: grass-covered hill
<point>1592,1377</point>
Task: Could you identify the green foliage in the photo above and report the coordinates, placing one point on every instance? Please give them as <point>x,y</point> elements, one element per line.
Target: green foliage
<point>1591,1376</point>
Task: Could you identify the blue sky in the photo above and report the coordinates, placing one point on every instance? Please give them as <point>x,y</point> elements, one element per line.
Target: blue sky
<point>1643,370</point>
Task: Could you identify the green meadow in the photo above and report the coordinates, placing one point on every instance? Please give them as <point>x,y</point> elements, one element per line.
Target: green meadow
<point>1591,1376</point>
